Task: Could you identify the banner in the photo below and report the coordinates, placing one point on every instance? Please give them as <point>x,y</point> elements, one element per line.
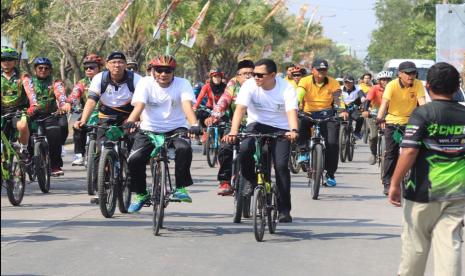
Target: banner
<point>161,22</point>
<point>119,19</point>
<point>300,18</point>
<point>191,34</point>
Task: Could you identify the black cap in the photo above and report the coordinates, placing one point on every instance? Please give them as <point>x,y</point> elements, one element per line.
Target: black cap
<point>407,66</point>
<point>246,63</point>
<point>349,79</point>
<point>320,64</point>
<point>116,55</point>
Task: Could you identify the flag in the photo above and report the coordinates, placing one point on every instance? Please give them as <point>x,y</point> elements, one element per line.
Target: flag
<point>161,22</point>
<point>119,19</point>
<point>191,34</point>
<point>300,18</point>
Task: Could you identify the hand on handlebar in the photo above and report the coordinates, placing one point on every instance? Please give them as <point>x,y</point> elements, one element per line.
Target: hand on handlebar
<point>366,114</point>
<point>345,115</point>
<point>292,135</point>
<point>130,127</point>
<point>230,138</point>
<point>66,108</point>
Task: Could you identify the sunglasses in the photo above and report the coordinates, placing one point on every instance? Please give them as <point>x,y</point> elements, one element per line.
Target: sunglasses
<point>410,73</point>
<point>90,67</point>
<point>259,75</point>
<point>165,70</point>
<point>43,68</point>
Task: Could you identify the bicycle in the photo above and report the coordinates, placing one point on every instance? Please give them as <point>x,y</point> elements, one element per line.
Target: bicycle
<point>162,189</point>
<point>13,167</point>
<point>294,166</point>
<point>346,140</point>
<point>90,155</point>
<point>213,141</point>
<point>316,163</point>
<point>241,201</point>
<point>203,110</point>
<point>112,174</point>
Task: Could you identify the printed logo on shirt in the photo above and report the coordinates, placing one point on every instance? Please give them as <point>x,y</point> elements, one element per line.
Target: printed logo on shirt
<point>280,107</point>
<point>257,104</point>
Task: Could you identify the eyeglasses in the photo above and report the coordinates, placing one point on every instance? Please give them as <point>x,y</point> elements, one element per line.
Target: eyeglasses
<point>114,62</point>
<point>90,67</point>
<point>259,75</point>
<point>410,73</point>
<point>43,68</point>
<point>297,75</point>
<point>165,70</point>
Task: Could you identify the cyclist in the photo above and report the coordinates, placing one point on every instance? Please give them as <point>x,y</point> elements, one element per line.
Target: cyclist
<point>289,67</point>
<point>78,97</point>
<point>371,105</point>
<point>366,82</point>
<point>113,90</point>
<point>271,106</point>
<point>318,94</point>
<point>297,73</point>
<point>163,102</point>
<point>45,97</point>
<point>14,97</point>
<point>353,98</point>
<point>401,96</point>
<point>132,65</point>
<point>227,103</point>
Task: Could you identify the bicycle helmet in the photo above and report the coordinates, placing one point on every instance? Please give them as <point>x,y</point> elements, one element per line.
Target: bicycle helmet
<point>164,61</point>
<point>42,60</point>
<point>9,53</point>
<point>384,75</point>
<point>216,72</point>
<point>93,58</point>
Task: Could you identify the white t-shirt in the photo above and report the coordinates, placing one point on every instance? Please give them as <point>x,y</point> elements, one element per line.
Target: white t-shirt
<point>163,106</point>
<point>268,107</point>
<point>114,96</point>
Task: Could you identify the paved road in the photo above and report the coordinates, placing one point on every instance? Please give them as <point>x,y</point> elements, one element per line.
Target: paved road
<point>351,230</point>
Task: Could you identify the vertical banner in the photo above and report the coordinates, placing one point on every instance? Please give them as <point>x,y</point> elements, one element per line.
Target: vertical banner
<point>161,22</point>
<point>310,21</point>
<point>191,34</point>
<point>300,18</point>
<point>119,19</point>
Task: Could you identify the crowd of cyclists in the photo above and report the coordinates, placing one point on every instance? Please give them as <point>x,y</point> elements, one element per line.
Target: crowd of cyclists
<point>255,100</point>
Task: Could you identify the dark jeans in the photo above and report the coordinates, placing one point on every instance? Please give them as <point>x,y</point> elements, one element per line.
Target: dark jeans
<point>140,155</point>
<point>53,134</point>
<point>280,149</point>
<point>80,139</point>
<point>225,158</point>
<point>63,123</point>
<point>391,154</point>
<point>356,116</point>
<point>330,132</point>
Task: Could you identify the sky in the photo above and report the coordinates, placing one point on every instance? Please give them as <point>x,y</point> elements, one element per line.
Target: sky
<point>349,22</point>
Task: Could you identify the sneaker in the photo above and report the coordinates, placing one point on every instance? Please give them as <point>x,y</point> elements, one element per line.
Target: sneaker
<point>63,151</point>
<point>386,188</point>
<point>284,217</point>
<point>372,159</point>
<point>57,171</point>
<point>180,194</point>
<point>138,202</point>
<point>225,189</point>
<point>303,157</point>
<point>330,180</point>
<point>358,135</point>
<point>78,160</point>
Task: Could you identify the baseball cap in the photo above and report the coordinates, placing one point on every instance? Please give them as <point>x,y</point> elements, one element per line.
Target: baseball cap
<point>349,79</point>
<point>320,64</point>
<point>407,66</point>
<point>116,55</point>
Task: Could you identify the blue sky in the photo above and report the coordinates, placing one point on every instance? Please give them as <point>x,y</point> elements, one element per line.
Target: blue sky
<point>348,22</point>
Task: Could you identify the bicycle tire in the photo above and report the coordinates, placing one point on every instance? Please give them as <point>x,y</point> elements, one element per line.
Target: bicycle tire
<point>16,185</point>
<point>158,197</point>
<point>382,149</point>
<point>365,131</point>
<point>272,211</point>
<point>91,170</point>
<point>351,145</point>
<point>246,207</point>
<point>258,213</point>
<point>42,167</point>
<point>342,143</point>
<point>210,150</point>
<point>106,183</point>
<point>238,184</point>
<point>124,191</point>
<point>294,166</point>
<point>317,168</point>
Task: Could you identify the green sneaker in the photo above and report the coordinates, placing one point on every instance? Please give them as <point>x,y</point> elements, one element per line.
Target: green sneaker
<point>138,202</point>
<point>181,195</point>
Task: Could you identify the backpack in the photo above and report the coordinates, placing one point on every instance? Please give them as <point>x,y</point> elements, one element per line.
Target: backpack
<point>106,81</point>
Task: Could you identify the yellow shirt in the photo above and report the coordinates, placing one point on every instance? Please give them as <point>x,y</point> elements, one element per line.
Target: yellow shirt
<point>402,100</point>
<point>364,87</point>
<point>318,97</point>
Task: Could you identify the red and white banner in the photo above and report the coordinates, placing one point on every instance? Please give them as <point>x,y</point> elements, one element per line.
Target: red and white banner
<point>191,34</point>
<point>161,22</point>
<point>114,27</point>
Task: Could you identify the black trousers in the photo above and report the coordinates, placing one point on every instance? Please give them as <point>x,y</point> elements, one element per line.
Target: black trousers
<point>140,155</point>
<point>53,134</point>
<point>280,149</point>
<point>80,138</point>
<point>225,158</point>
<point>201,116</point>
<point>356,116</point>
<point>391,153</point>
<point>63,123</point>
<point>330,132</point>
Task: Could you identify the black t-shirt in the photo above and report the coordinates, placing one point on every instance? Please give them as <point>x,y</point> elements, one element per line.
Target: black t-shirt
<point>437,129</point>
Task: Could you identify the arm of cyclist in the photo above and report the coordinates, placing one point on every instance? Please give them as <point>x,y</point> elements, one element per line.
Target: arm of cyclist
<point>404,164</point>
<point>87,111</point>
<point>239,113</point>
<point>60,96</point>
<point>381,112</point>
<point>131,122</point>
<point>31,94</point>
<point>292,118</point>
<point>337,102</point>
<point>76,94</point>
<point>200,97</point>
<point>191,118</point>
<point>220,108</point>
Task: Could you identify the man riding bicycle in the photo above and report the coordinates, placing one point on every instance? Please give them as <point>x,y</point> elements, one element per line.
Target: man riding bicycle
<point>271,106</point>
<point>353,98</point>
<point>162,102</point>
<point>317,94</point>
<point>401,96</point>
<point>78,97</point>
<point>47,96</point>
<point>227,102</point>
<point>371,106</point>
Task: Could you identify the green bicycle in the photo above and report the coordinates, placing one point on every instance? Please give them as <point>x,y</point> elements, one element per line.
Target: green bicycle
<point>13,167</point>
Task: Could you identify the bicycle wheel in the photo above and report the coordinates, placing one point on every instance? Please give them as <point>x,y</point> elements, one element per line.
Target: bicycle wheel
<point>342,143</point>
<point>17,182</point>
<point>210,147</point>
<point>317,170</point>
<point>381,150</point>
<point>294,166</point>
<point>42,166</point>
<point>124,191</point>
<point>106,183</point>
<point>158,196</point>
<point>91,168</point>
<point>351,145</point>
<point>365,131</point>
<point>272,210</point>
<point>259,211</point>
<point>238,185</point>
<point>246,206</point>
